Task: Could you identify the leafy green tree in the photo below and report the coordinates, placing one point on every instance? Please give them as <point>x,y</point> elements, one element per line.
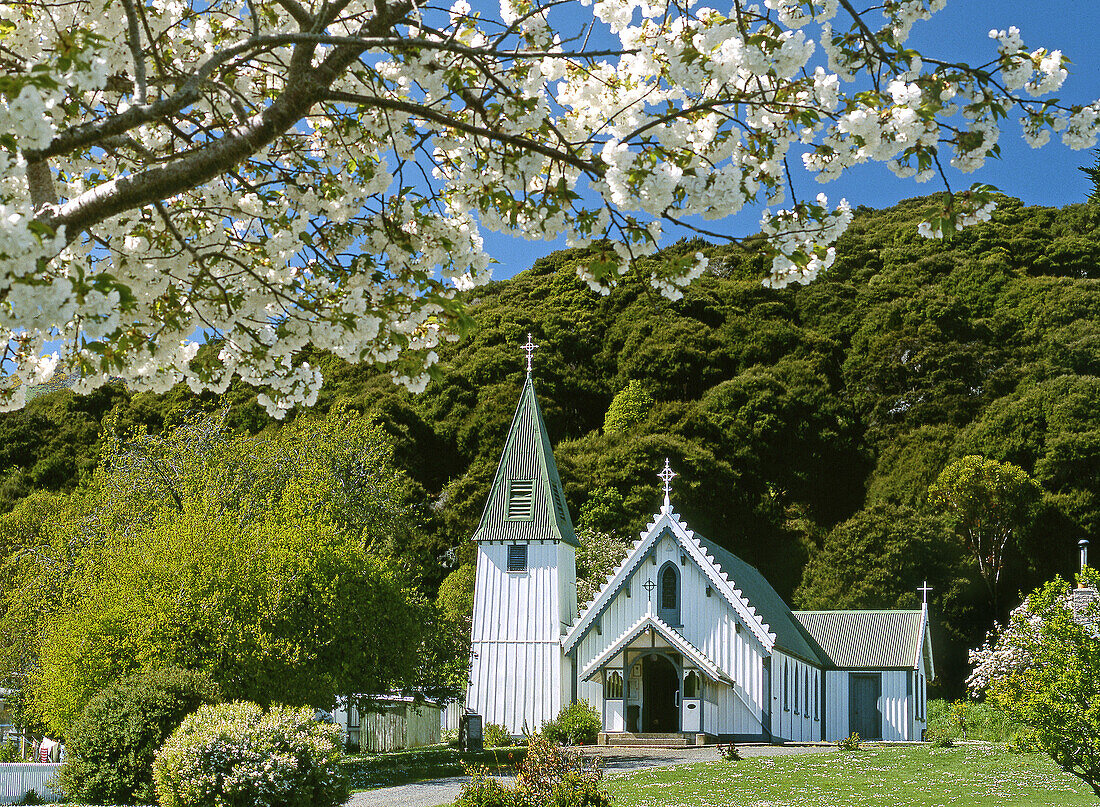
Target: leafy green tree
<point>1093,173</point>
<point>988,503</point>
<point>265,563</point>
<point>599,555</point>
<point>1043,671</point>
<point>878,558</point>
<point>629,406</point>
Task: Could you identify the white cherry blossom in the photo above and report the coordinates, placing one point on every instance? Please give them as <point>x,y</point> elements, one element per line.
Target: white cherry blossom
<point>279,174</point>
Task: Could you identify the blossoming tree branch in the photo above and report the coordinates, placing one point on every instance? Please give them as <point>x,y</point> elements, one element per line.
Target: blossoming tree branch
<point>283,173</point>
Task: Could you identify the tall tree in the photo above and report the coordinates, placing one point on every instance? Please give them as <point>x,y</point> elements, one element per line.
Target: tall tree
<point>288,173</point>
<point>989,503</point>
<point>265,562</point>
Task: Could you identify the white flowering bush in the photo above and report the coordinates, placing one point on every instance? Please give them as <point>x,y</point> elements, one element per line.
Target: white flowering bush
<point>275,174</point>
<point>239,755</point>
<point>1042,669</point>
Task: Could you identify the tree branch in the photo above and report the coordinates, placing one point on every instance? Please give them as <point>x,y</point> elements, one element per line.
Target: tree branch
<point>134,41</point>
<point>446,120</point>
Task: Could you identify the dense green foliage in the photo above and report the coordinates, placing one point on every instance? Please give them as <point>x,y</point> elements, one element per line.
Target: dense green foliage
<point>267,563</point>
<point>111,747</point>
<point>799,420</point>
<point>577,723</point>
<point>240,755</point>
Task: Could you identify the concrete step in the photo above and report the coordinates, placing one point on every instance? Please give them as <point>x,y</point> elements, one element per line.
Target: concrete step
<point>666,740</point>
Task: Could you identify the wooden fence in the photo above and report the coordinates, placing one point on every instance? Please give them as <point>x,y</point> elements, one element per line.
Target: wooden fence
<point>398,725</point>
<point>17,778</point>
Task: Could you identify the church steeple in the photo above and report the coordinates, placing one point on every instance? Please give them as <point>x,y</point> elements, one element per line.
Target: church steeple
<point>526,502</point>
<point>525,587</point>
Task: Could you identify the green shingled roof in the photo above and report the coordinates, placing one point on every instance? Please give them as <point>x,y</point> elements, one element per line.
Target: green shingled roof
<point>526,502</point>
<point>790,635</point>
<point>866,639</point>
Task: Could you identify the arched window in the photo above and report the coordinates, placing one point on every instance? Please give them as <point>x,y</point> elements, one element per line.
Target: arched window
<point>786,688</point>
<point>692,685</point>
<point>668,602</point>
<point>613,687</point>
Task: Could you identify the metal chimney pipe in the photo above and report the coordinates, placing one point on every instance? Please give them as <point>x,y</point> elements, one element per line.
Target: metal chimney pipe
<point>1084,544</point>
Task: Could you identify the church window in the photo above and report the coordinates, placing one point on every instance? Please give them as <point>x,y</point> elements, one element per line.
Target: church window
<point>613,687</point>
<point>806,693</point>
<point>517,557</point>
<point>691,685</point>
<point>796,671</point>
<point>521,499</point>
<point>668,604</point>
<point>786,688</point>
<point>817,694</point>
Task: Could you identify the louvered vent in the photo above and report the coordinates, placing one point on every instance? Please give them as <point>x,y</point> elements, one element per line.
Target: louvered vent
<point>521,499</point>
<point>559,503</point>
<point>517,558</point>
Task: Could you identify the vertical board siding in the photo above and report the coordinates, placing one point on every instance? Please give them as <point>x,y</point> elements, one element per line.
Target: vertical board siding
<point>516,667</point>
<point>398,726</point>
<point>709,623</point>
<point>18,778</point>
<point>836,699</point>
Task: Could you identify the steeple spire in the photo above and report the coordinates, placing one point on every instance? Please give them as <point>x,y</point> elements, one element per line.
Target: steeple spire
<point>526,501</point>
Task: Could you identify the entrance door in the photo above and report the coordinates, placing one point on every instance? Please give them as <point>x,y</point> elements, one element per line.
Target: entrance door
<point>864,717</point>
<point>660,695</point>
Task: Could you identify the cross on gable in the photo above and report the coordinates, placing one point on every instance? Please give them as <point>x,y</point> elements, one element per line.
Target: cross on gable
<point>649,585</point>
<point>529,349</point>
<point>666,476</point>
<point>925,589</point>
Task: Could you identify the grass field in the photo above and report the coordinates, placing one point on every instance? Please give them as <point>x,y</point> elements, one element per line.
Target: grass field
<point>963,776</point>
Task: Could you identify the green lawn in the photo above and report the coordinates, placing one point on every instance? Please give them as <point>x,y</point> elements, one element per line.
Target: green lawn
<point>871,777</point>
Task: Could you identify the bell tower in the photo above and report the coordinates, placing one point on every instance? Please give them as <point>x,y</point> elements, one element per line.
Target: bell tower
<point>525,589</point>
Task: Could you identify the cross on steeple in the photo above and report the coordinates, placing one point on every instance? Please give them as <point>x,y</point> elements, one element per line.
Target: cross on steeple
<point>667,476</point>
<point>529,349</point>
<point>925,589</point>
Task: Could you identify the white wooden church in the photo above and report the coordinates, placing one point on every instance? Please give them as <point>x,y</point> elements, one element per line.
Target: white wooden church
<point>684,638</point>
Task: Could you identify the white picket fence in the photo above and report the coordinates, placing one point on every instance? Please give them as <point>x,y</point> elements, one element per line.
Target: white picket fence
<point>16,778</point>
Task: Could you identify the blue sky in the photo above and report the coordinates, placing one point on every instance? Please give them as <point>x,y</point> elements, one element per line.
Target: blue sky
<point>1046,176</point>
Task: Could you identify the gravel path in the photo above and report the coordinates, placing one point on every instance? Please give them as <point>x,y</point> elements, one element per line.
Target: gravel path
<point>615,761</point>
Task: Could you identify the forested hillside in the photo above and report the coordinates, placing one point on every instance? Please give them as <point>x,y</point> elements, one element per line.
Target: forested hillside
<point>806,424</point>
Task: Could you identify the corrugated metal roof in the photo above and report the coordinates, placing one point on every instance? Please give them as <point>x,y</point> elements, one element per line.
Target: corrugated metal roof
<point>790,635</point>
<point>866,639</point>
<point>527,457</point>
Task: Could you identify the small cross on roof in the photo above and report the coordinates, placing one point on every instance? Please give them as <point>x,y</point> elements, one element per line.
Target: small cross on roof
<point>529,349</point>
<point>667,476</point>
<point>925,589</point>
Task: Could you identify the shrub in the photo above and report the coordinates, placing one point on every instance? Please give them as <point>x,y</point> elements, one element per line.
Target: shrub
<point>483,790</point>
<point>111,746</point>
<point>238,755</point>
<point>495,736</point>
<point>555,776</point>
<point>849,743</point>
<point>548,776</point>
<point>576,724</point>
<point>729,752</point>
<point>981,721</point>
